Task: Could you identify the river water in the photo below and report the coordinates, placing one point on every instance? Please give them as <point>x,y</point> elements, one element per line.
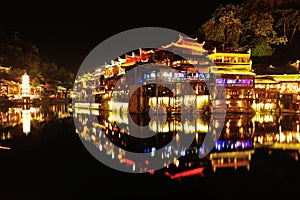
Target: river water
<point>45,155</point>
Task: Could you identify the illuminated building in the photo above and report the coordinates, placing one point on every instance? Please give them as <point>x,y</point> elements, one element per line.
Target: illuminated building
<point>217,78</point>
<point>164,67</point>
<point>265,100</point>
<point>3,89</point>
<point>83,88</point>
<point>233,71</point>
<point>10,89</point>
<point>188,61</point>
<point>187,53</point>
<point>289,92</point>
<point>5,69</point>
<point>232,60</point>
<point>277,93</point>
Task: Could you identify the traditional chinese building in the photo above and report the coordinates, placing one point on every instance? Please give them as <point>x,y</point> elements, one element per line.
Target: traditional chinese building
<point>233,79</point>
<point>216,79</point>
<point>3,88</point>
<point>266,94</point>
<point>289,92</point>
<point>277,93</point>
<point>160,84</point>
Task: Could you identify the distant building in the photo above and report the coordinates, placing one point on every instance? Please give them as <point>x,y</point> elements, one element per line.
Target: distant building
<point>4,69</point>
<point>3,89</point>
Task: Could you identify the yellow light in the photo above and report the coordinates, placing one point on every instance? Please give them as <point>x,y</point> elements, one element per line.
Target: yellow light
<point>239,103</point>
<point>281,137</point>
<point>202,126</point>
<point>177,163</point>
<point>201,101</point>
<point>189,127</point>
<point>25,85</point>
<point>26,116</point>
<point>239,124</point>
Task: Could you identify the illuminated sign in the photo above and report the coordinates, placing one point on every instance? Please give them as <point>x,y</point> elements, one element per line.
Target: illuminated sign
<point>234,82</point>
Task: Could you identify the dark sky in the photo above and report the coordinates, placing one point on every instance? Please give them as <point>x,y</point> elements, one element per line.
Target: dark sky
<point>67,34</point>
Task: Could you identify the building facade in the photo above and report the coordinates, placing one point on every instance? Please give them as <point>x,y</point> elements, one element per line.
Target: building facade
<point>218,81</point>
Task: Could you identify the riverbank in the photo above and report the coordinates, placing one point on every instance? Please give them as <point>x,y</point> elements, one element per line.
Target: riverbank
<point>36,102</point>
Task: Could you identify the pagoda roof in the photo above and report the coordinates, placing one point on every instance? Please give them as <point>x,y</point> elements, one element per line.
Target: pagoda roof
<point>278,78</point>
<point>286,77</point>
<point>186,43</point>
<point>265,79</point>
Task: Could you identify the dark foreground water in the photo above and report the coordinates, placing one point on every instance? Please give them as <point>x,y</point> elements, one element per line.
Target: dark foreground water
<point>51,162</point>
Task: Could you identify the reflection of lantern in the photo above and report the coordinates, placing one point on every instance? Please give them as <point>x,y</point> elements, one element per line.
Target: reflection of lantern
<point>25,89</point>
<point>26,121</point>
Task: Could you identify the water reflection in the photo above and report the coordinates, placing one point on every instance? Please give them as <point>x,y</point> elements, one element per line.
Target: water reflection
<point>242,135</point>
<point>280,133</point>
<point>27,117</point>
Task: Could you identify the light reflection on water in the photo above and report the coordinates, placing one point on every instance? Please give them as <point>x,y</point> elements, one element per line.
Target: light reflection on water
<point>242,135</point>
<point>26,117</point>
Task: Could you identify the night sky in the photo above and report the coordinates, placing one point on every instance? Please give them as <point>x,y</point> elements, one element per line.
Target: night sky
<point>67,34</point>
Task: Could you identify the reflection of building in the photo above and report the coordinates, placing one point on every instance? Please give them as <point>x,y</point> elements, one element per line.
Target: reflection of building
<point>282,134</point>
<point>112,129</point>
<point>15,116</point>
<point>232,153</point>
<point>233,159</point>
<point>233,149</point>
<point>235,144</point>
<point>26,117</point>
